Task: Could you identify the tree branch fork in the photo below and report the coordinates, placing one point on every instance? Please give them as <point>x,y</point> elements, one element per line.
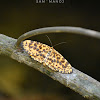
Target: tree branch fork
<point>77,81</point>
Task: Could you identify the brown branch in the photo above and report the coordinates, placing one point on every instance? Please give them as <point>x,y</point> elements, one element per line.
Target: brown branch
<point>77,81</point>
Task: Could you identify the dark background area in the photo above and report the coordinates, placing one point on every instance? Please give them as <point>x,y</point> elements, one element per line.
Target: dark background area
<point>19,16</point>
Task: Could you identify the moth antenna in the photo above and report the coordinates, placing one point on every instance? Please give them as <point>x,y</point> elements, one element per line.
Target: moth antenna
<point>59,43</point>
<point>49,40</point>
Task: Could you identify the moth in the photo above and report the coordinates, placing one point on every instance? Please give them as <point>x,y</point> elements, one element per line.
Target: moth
<point>47,55</point>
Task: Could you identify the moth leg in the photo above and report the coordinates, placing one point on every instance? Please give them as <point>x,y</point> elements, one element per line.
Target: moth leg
<point>44,64</point>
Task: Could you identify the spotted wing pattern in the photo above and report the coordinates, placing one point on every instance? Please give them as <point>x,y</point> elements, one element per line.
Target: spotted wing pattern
<point>58,62</point>
<point>47,55</point>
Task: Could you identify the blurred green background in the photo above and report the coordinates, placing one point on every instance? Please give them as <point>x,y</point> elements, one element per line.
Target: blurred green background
<point>19,81</point>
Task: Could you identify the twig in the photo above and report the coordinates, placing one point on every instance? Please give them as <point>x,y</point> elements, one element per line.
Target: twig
<point>61,29</point>
<point>77,81</point>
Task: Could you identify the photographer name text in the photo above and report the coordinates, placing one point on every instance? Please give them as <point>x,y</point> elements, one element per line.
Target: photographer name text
<point>49,1</point>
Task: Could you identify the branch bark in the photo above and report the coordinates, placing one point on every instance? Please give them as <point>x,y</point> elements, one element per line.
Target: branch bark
<point>77,81</point>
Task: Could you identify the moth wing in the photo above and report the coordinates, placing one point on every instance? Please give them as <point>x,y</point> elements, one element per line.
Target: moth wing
<point>58,62</point>
<point>35,50</point>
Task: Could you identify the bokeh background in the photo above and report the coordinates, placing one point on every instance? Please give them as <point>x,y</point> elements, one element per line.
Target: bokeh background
<point>19,81</point>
